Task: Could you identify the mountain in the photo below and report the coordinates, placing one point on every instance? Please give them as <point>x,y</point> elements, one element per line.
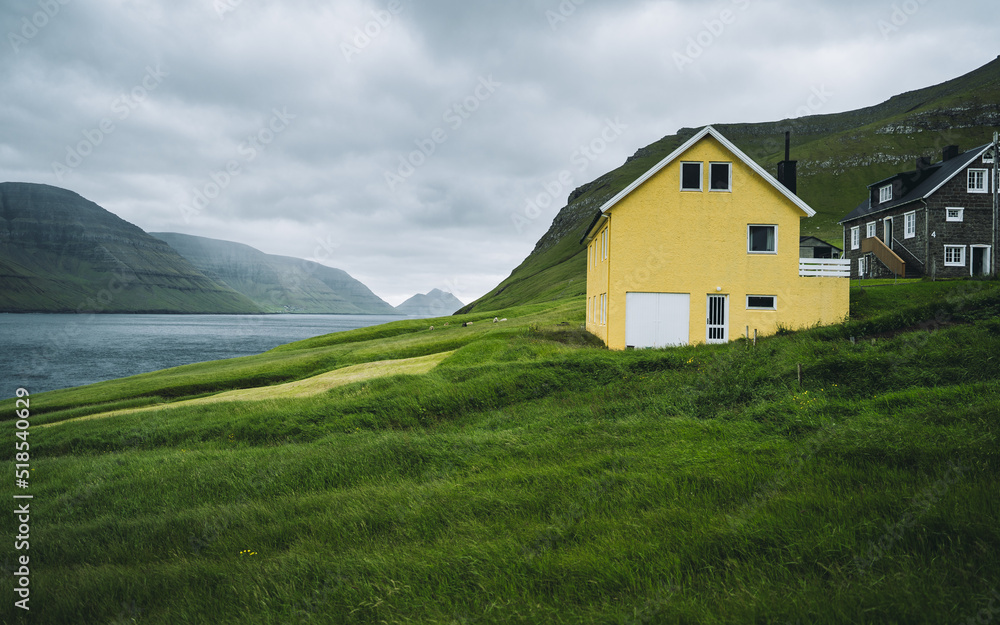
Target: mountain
<point>437,303</point>
<point>62,253</point>
<point>278,283</point>
<point>838,156</point>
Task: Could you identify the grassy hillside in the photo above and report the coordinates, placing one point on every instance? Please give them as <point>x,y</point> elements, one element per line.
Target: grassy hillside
<point>532,476</point>
<point>838,156</point>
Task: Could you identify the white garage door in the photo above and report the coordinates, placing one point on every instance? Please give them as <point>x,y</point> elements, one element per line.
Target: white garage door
<point>657,319</point>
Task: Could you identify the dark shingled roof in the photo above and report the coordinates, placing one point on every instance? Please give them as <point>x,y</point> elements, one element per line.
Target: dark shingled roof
<point>931,179</point>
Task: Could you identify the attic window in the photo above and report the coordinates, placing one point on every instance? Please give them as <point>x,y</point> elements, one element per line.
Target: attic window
<point>988,157</point>
<point>954,214</point>
<point>977,181</point>
<point>885,193</point>
<point>691,176</point>
<point>720,176</point>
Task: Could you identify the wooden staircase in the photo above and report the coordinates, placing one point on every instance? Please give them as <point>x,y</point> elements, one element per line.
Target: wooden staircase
<point>890,259</point>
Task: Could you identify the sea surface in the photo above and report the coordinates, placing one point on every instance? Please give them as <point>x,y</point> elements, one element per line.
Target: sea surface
<point>42,352</point>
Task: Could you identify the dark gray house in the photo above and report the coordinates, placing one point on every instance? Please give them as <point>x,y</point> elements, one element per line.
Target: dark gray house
<point>811,247</point>
<point>936,221</point>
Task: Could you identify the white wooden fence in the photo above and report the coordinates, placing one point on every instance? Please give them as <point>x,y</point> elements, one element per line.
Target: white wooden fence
<point>825,267</point>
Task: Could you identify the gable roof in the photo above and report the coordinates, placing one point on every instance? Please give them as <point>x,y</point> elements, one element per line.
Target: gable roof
<point>936,176</point>
<point>706,131</point>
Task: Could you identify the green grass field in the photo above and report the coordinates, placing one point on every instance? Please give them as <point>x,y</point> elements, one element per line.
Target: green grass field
<point>531,476</point>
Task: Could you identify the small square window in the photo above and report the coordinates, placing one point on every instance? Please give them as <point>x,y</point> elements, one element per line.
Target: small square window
<point>870,229</point>
<point>690,176</point>
<point>762,239</point>
<point>885,193</point>
<point>720,176</point>
<point>855,237</point>
<point>954,214</point>
<point>954,256</point>
<point>909,225</point>
<point>761,302</point>
<point>978,181</point>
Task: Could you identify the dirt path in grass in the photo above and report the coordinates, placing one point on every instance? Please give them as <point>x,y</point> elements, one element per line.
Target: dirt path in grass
<point>300,388</point>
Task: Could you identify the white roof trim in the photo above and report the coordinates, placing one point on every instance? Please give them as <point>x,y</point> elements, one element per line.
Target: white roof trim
<point>749,162</point>
<point>962,168</point>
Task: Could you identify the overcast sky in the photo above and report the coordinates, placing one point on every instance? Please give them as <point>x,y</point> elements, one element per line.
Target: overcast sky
<point>416,144</point>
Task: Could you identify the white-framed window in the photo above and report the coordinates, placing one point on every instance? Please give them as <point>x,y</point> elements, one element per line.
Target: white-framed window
<point>870,229</point>
<point>988,157</point>
<point>909,225</point>
<point>954,256</point>
<point>979,181</point>
<point>862,266</point>
<point>762,239</point>
<point>855,237</point>
<point>720,176</point>
<point>691,176</point>
<point>604,309</point>
<point>762,302</point>
<point>954,214</point>
<point>885,193</point>
<point>604,244</point>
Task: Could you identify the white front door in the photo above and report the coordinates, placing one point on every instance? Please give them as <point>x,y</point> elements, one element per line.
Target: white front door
<point>657,319</point>
<point>718,319</point>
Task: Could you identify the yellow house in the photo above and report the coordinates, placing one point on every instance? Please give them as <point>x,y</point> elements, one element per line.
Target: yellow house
<point>704,248</point>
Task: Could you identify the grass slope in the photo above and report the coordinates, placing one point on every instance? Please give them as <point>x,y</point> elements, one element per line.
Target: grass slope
<point>534,477</point>
<point>838,156</point>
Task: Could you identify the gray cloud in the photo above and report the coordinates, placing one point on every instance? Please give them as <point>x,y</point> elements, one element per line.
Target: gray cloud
<point>294,116</point>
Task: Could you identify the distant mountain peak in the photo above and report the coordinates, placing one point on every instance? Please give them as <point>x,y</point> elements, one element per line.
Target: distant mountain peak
<point>436,303</point>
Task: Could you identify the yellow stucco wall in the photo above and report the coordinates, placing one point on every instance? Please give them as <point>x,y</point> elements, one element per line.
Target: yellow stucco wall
<point>662,239</point>
<point>598,263</point>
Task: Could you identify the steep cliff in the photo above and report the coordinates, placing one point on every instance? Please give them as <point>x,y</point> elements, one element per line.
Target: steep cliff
<point>62,253</point>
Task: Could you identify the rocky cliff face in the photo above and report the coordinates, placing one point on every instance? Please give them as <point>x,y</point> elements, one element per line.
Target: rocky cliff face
<point>437,303</point>
<point>277,283</point>
<point>62,253</point>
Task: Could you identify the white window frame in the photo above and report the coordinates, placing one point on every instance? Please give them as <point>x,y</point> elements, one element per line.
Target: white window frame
<point>701,176</point>
<point>959,216</point>
<point>952,263</point>
<point>909,225</point>
<point>862,266</point>
<point>729,181</point>
<point>855,237</point>
<point>885,193</point>
<point>988,157</point>
<point>985,179</point>
<point>604,244</point>
<point>774,226</point>
<point>871,229</point>
<point>773,306</point>
<point>604,309</point>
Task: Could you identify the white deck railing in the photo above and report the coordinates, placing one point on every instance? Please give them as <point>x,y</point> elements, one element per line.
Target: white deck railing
<point>825,267</point>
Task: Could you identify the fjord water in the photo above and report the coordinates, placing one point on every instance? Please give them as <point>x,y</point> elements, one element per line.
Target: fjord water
<point>44,352</point>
